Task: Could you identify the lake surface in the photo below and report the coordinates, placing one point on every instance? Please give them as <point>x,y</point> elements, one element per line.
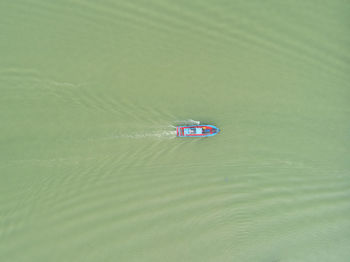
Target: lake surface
<point>91,169</point>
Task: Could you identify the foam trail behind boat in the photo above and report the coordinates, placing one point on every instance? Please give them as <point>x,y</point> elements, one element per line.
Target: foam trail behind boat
<point>188,122</point>
<point>160,134</point>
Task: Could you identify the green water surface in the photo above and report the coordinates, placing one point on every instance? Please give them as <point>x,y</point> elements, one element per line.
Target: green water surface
<point>91,170</point>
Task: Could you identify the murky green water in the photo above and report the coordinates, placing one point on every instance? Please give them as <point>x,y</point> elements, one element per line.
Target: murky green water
<point>91,171</point>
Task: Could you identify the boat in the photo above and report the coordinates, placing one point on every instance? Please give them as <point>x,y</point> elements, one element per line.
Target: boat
<point>197,131</point>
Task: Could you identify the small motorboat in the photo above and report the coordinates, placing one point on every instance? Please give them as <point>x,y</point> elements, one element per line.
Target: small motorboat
<point>196,131</point>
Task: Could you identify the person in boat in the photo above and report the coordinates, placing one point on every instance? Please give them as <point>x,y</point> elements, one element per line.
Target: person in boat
<point>205,130</point>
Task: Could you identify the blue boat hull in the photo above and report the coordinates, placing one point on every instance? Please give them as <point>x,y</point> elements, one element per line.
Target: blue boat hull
<point>197,131</point>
